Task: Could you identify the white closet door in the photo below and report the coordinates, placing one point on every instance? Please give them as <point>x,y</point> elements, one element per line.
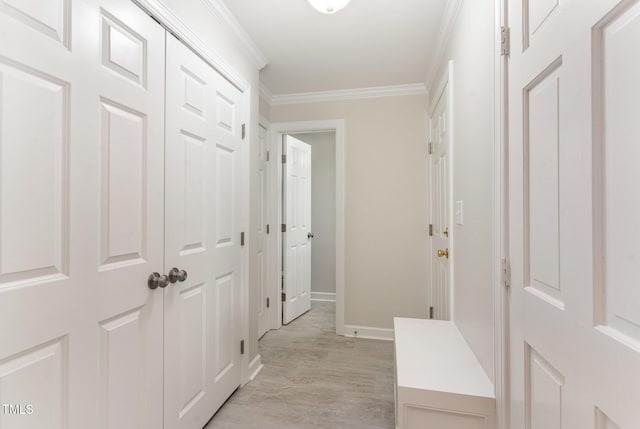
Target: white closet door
<point>297,238</point>
<point>81,178</point>
<point>202,311</point>
<point>574,104</point>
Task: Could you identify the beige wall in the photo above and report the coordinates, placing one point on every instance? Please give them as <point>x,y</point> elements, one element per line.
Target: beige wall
<point>223,41</point>
<point>265,109</point>
<point>323,209</point>
<point>386,204</point>
<point>471,48</point>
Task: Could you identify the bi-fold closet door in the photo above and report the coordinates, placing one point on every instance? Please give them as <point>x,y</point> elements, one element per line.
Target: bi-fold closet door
<point>88,211</point>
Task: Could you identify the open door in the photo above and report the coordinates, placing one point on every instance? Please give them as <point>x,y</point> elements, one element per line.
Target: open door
<point>440,213</point>
<point>297,232</point>
<point>574,103</point>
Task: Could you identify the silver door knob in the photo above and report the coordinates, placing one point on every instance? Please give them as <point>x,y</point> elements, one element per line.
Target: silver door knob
<point>157,280</point>
<point>310,235</point>
<point>176,275</point>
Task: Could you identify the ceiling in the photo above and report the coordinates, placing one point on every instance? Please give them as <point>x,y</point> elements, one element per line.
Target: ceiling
<point>370,43</point>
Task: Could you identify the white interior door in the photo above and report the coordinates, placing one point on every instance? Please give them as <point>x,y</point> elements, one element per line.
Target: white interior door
<point>202,307</point>
<point>297,238</point>
<point>440,291</point>
<point>262,244</point>
<point>81,176</point>
<point>574,98</point>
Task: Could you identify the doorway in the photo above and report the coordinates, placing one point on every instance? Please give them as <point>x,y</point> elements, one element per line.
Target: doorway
<point>328,254</point>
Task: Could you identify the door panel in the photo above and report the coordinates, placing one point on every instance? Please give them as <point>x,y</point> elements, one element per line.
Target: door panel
<point>261,231</point>
<point>296,242</point>
<point>440,292</point>
<point>573,99</point>
<point>202,237</point>
<point>80,214</point>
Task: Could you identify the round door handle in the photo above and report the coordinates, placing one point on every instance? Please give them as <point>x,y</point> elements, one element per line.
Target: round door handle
<point>444,253</point>
<point>157,280</point>
<point>310,235</point>
<point>176,275</point>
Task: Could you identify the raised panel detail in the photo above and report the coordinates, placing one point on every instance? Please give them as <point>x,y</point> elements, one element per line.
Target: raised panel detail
<point>123,50</point>
<point>542,206</point>
<point>261,279</point>
<point>50,17</point>
<point>224,324</point>
<point>537,12</point>
<point>603,421</point>
<point>33,174</point>
<point>421,418</point>
<point>122,360</point>
<point>225,184</point>
<point>619,156</point>
<point>193,193</point>
<point>225,115</point>
<point>44,366</point>
<point>193,92</point>
<point>544,392</point>
<point>192,346</point>
<point>123,216</point>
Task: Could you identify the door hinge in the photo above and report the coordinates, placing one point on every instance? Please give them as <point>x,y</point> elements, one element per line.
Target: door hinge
<point>267,302</point>
<point>242,238</point>
<point>267,156</point>
<point>505,41</point>
<point>283,228</point>
<point>284,296</point>
<point>267,228</point>
<point>430,230</point>
<point>241,347</point>
<point>505,272</point>
<point>430,148</point>
<point>244,130</point>
<point>430,312</point>
<point>284,159</point>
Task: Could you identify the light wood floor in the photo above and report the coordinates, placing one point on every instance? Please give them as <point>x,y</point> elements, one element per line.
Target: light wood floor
<point>315,379</point>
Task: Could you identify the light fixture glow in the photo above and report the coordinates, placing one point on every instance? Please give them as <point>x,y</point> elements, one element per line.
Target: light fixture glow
<point>328,6</point>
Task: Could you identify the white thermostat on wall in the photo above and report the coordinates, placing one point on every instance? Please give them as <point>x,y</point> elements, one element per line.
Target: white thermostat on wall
<point>459,212</point>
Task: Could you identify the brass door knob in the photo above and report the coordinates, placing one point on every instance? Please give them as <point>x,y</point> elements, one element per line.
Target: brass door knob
<point>444,253</point>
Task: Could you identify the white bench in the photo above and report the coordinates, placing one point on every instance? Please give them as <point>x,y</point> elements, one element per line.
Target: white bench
<point>439,381</point>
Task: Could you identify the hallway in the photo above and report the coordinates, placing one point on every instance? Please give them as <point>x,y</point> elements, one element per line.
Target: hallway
<point>315,379</point>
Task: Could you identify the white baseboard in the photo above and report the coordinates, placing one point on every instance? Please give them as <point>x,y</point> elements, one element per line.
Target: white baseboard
<point>255,367</point>
<point>323,296</point>
<point>368,332</point>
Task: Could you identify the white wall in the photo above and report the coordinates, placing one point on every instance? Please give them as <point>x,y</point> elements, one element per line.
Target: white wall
<point>471,48</point>
<point>221,39</point>
<point>323,209</point>
<point>386,203</point>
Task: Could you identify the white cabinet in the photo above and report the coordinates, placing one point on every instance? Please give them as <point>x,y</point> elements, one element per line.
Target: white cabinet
<point>439,381</point>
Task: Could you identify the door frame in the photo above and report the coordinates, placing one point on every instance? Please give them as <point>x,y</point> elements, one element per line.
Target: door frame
<point>277,131</point>
<point>500,244</point>
<point>174,25</point>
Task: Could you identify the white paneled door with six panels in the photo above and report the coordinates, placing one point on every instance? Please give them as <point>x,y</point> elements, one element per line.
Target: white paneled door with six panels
<point>82,222</point>
<point>574,207</point>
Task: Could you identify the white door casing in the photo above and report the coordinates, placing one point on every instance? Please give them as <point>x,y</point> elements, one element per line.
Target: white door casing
<point>81,220</point>
<point>441,229</point>
<point>297,240</point>
<point>262,243</point>
<point>575,306</point>
<point>202,313</point>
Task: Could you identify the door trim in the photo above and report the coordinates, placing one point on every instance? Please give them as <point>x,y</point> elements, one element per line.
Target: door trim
<point>277,131</point>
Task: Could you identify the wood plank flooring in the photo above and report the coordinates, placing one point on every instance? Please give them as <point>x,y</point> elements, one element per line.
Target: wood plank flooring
<point>315,379</point>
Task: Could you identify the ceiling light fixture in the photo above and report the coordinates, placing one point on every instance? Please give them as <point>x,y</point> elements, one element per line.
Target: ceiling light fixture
<point>328,6</point>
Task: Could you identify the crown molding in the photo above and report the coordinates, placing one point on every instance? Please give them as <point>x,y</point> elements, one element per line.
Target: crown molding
<point>444,35</point>
<point>224,15</point>
<point>266,94</point>
<point>350,94</point>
